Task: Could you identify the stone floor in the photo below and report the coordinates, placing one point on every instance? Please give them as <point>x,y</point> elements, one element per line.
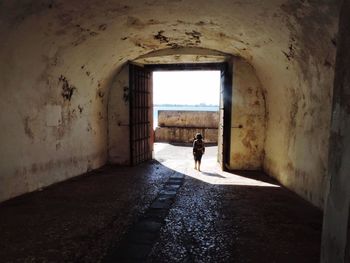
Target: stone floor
<point>162,211</point>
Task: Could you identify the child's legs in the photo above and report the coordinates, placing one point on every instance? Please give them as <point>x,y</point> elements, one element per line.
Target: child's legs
<point>199,161</point>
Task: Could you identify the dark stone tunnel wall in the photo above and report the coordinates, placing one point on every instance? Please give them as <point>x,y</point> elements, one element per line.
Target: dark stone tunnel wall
<point>336,227</point>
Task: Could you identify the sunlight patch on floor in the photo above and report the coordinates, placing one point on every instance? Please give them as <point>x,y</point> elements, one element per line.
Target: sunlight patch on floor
<point>179,158</point>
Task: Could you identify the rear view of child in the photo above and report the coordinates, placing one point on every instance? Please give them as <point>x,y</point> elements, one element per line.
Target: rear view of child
<point>198,151</point>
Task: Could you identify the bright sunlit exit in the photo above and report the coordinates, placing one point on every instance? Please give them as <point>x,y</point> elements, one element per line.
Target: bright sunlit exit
<point>186,90</point>
<point>186,87</point>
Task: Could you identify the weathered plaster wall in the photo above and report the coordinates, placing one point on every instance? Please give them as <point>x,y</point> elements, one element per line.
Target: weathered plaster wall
<point>118,119</point>
<point>183,55</point>
<point>299,101</point>
<point>248,118</point>
<point>290,44</point>
<point>336,227</point>
<point>53,108</point>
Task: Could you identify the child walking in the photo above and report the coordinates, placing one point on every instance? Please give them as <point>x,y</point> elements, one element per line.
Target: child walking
<point>198,151</point>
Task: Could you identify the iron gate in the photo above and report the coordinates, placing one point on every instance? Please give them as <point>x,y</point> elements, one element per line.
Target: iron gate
<point>141,129</point>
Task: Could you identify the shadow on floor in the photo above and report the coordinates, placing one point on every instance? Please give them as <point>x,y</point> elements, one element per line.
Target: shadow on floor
<point>190,144</point>
<point>213,174</point>
<point>255,175</point>
<point>83,219</point>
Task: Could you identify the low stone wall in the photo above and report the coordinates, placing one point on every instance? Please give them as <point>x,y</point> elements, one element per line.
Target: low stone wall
<point>190,119</point>
<point>182,126</point>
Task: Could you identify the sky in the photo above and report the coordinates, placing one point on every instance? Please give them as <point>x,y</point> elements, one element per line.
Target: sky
<point>186,87</point>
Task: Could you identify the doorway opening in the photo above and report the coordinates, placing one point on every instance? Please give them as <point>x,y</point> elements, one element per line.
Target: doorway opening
<point>184,124</point>
<point>185,102</point>
<point>189,91</point>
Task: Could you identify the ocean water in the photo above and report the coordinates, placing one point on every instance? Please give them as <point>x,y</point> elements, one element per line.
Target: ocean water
<point>156,108</point>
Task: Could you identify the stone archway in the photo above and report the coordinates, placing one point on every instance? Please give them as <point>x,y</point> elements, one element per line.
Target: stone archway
<point>81,45</point>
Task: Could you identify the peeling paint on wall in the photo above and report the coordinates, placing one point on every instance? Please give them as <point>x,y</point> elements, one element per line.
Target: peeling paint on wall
<point>161,37</point>
<point>67,89</point>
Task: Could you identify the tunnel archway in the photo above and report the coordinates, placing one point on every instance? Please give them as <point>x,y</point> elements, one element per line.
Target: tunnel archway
<point>68,63</point>
<point>59,62</point>
<point>243,125</point>
<point>181,58</point>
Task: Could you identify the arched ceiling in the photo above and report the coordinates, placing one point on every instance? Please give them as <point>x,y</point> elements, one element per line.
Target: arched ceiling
<point>50,45</point>
<point>183,55</point>
<point>105,34</point>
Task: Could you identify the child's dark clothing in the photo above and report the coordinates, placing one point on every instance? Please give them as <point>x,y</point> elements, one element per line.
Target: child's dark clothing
<point>198,149</point>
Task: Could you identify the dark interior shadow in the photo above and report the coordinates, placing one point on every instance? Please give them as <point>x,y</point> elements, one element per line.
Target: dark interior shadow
<point>254,211</point>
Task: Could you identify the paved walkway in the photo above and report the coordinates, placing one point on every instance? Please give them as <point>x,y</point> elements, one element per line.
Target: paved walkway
<point>163,211</point>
